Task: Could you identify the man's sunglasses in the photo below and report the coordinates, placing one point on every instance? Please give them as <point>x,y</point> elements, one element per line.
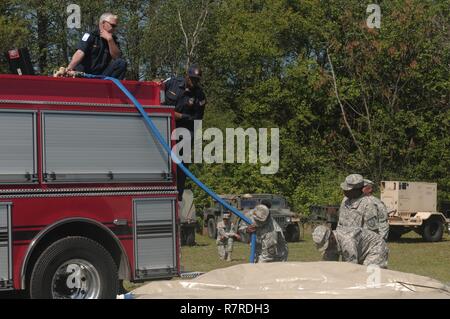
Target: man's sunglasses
<point>111,24</point>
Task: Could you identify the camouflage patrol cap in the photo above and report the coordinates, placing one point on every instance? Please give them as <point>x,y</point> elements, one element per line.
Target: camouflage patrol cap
<point>226,215</point>
<point>368,182</point>
<point>352,181</point>
<point>260,213</point>
<point>321,236</point>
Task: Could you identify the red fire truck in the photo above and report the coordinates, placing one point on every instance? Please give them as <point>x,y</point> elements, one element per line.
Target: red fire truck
<point>87,195</point>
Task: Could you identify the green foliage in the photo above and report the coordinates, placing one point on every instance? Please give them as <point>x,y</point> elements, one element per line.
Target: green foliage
<point>270,63</point>
<point>267,64</point>
<point>13,32</point>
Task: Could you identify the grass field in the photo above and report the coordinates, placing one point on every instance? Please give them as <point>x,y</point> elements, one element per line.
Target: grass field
<point>409,254</point>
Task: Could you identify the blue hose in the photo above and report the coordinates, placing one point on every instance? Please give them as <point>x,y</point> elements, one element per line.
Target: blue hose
<point>177,161</point>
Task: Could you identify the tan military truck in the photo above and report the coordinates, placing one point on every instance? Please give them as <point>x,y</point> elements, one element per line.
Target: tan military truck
<point>412,206</point>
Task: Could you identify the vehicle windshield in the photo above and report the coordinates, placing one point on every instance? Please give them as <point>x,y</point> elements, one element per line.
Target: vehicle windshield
<point>248,203</point>
<point>277,203</point>
<point>217,205</point>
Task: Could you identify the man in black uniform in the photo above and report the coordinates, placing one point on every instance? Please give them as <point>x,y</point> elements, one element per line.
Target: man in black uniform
<point>99,52</point>
<point>186,94</point>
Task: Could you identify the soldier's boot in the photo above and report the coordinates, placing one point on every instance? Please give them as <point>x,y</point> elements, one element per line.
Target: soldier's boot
<point>229,256</point>
<point>222,253</point>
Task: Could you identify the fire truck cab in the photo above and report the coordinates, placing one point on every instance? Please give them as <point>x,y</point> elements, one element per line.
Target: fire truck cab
<point>87,195</point>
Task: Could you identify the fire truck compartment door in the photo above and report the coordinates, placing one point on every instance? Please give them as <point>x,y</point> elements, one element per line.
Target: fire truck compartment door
<point>104,147</point>
<point>17,147</point>
<point>155,238</point>
<point>5,246</point>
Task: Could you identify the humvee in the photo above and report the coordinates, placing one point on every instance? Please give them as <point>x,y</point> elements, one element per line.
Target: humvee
<point>289,221</point>
<point>324,214</point>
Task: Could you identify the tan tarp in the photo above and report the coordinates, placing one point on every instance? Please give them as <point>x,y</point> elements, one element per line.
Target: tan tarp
<point>298,280</point>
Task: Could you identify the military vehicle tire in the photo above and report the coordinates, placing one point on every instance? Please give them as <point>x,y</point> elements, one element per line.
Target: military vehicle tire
<point>182,237</point>
<point>293,233</point>
<point>190,236</point>
<point>394,234</point>
<point>245,237</point>
<point>212,228</point>
<point>433,230</point>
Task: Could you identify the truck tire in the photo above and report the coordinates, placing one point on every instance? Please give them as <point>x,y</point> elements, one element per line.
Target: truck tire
<point>433,230</point>
<point>293,233</point>
<point>212,228</point>
<point>245,237</point>
<point>183,236</point>
<point>395,233</point>
<point>74,268</point>
<point>190,236</point>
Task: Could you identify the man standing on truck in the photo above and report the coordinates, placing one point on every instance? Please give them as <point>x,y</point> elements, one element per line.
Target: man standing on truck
<point>383,224</point>
<point>225,237</point>
<point>186,94</point>
<point>270,243</point>
<point>356,209</point>
<point>99,52</point>
<point>354,245</point>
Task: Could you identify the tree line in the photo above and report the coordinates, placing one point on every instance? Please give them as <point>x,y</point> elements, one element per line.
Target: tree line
<point>346,97</point>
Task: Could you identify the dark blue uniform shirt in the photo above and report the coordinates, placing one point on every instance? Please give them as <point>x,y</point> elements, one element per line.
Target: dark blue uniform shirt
<point>97,56</point>
<point>189,102</point>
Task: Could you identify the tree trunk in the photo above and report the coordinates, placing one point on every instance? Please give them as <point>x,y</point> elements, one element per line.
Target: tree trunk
<point>42,30</point>
<point>133,35</point>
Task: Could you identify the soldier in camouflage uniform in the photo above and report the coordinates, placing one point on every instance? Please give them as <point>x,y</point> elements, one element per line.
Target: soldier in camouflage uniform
<point>382,212</point>
<point>356,209</point>
<point>249,213</point>
<point>270,243</point>
<point>354,245</point>
<point>225,237</point>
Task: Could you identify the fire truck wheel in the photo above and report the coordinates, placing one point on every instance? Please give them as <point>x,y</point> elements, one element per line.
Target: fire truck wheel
<point>74,268</point>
